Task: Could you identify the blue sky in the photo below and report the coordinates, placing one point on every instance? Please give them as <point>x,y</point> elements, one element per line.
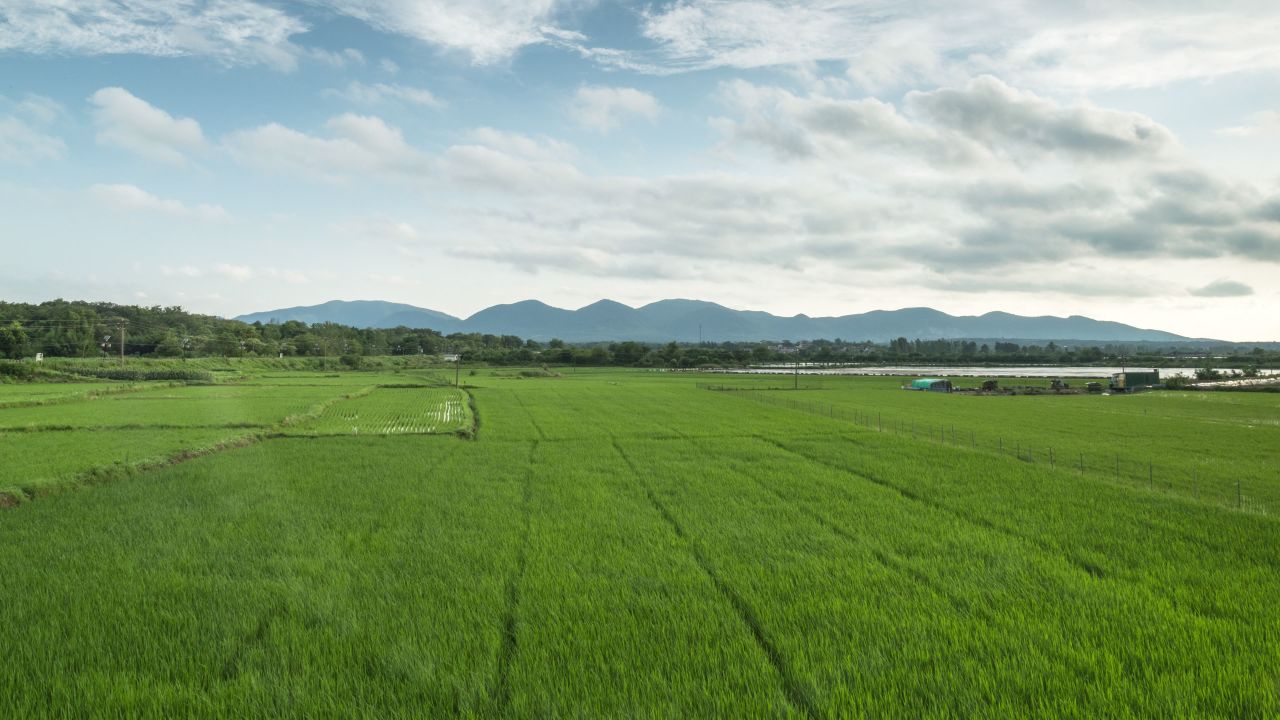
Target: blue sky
<point>821,157</point>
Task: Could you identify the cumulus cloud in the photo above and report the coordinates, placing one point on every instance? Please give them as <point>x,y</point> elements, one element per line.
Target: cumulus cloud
<point>356,145</point>
<point>999,116</point>
<point>373,94</point>
<point>487,31</point>
<point>239,273</point>
<point>513,162</point>
<point>983,120</point>
<point>25,130</point>
<point>1222,288</point>
<point>132,198</point>
<point>131,123</point>
<point>234,32</point>
<point>602,108</point>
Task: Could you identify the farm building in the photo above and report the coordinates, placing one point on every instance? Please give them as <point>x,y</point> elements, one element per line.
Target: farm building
<point>930,385</point>
<point>1130,381</point>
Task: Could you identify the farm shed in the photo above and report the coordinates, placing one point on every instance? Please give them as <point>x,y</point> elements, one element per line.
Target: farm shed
<point>930,385</point>
<point>1130,381</point>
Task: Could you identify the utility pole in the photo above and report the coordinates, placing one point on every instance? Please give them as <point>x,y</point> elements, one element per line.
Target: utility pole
<point>797,375</point>
<point>457,368</point>
<point>122,343</point>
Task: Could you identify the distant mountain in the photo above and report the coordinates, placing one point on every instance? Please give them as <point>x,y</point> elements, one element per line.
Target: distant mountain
<point>692,320</point>
<point>361,313</point>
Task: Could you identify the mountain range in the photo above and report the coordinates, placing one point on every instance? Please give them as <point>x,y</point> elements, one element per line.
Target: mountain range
<point>695,320</point>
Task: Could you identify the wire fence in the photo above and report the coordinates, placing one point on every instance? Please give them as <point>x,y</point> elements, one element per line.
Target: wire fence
<point>1183,479</point>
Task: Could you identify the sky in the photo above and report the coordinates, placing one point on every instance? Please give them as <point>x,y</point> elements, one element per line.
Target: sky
<point>1110,159</point>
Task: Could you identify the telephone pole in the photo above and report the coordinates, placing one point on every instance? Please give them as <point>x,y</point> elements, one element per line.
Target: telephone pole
<point>122,343</point>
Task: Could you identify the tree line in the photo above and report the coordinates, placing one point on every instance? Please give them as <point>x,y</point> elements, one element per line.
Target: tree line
<point>75,329</point>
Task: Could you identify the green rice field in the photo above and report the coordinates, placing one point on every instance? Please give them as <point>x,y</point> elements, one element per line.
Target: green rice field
<point>611,543</point>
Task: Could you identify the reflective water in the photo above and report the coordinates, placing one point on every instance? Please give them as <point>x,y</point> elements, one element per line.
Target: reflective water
<point>1063,371</point>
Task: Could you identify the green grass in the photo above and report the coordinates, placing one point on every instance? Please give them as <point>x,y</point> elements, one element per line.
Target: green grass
<point>1198,444</point>
<point>192,406</point>
<point>394,411</point>
<point>38,462</point>
<point>623,544</point>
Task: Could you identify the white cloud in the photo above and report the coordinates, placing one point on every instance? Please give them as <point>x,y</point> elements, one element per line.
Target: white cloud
<point>131,123</point>
<point>25,130</point>
<point>602,108</point>
<point>389,66</point>
<point>239,273</point>
<point>503,161</point>
<point>339,59</point>
<point>358,92</point>
<point>971,183</point>
<point>1266,122</point>
<point>488,31</point>
<point>22,143</point>
<point>233,32</point>
<point>357,145</point>
<point>1037,43</point>
<point>132,198</point>
<point>376,229</point>
<point>187,271</point>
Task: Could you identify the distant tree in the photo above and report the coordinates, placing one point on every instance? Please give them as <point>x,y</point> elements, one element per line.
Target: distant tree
<point>13,341</point>
<point>169,345</point>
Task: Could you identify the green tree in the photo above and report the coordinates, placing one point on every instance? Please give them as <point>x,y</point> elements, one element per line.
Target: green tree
<point>169,345</point>
<point>13,341</point>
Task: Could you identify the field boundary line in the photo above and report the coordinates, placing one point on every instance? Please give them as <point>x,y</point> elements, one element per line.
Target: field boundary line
<point>507,650</point>
<point>796,693</point>
<point>110,472</point>
<point>89,395</point>
<point>474,433</point>
<point>103,474</point>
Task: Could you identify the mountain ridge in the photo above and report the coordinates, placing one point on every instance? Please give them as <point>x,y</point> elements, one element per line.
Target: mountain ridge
<point>687,320</point>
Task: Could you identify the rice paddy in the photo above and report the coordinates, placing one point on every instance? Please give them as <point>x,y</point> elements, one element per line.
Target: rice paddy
<point>623,544</point>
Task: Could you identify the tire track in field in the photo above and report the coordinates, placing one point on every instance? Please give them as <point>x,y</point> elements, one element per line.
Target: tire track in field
<point>258,636</point>
<point>501,694</point>
<point>797,693</point>
<point>888,560</point>
<point>532,421</point>
<point>1044,547</point>
<point>895,564</point>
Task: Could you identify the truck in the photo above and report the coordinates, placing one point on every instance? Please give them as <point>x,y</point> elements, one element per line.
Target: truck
<point>1134,380</point>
